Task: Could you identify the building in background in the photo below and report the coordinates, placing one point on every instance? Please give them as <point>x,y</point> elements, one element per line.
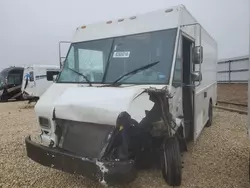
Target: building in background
<point>233,70</point>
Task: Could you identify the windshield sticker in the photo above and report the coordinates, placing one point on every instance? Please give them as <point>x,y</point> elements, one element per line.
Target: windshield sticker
<point>124,54</point>
<point>161,76</point>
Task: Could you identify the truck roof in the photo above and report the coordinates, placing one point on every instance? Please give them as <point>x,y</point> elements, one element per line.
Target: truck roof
<point>152,21</point>
<point>162,19</point>
<point>7,70</point>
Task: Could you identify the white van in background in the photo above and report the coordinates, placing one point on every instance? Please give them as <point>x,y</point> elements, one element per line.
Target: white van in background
<point>35,81</point>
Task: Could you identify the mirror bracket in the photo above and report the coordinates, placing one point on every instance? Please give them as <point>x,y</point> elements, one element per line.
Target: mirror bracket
<point>198,54</point>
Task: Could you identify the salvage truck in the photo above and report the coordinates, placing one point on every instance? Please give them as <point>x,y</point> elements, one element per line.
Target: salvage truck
<point>131,94</point>
<point>11,83</point>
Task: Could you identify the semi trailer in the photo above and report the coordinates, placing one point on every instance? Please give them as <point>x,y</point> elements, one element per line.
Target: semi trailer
<point>132,92</point>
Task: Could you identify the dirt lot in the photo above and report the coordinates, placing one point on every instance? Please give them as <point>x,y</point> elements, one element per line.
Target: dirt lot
<point>218,159</point>
<point>233,92</point>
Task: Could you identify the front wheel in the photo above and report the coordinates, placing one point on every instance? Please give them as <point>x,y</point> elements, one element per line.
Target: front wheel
<point>171,168</point>
<point>4,97</point>
<point>20,98</point>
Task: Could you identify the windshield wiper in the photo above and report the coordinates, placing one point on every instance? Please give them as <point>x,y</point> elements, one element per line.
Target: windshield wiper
<point>85,77</point>
<point>132,73</point>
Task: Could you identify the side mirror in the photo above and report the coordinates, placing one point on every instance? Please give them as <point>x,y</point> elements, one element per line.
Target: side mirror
<point>198,55</point>
<point>51,75</point>
<point>196,76</point>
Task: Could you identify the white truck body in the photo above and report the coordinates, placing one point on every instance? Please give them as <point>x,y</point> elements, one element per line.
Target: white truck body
<point>56,96</point>
<point>35,81</point>
<point>72,100</point>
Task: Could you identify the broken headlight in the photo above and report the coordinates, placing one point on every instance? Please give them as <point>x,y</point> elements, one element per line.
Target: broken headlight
<point>44,122</point>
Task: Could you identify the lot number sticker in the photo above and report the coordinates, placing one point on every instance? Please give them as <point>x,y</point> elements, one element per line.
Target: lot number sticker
<point>124,54</point>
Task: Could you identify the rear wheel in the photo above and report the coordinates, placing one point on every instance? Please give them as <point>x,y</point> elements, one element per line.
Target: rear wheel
<point>210,114</point>
<point>171,168</point>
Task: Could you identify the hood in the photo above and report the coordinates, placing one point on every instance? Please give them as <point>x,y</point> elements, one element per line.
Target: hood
<point>100,105</point>
<point>93,104</point>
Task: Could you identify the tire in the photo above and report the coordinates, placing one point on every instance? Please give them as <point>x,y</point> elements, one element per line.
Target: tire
<point>20,98</point>
<point>172,166</point>
<point>4,97</point>
<point>210,114</point>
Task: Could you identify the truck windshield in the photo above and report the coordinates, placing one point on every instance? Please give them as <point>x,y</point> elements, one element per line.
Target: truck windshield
<point>105,60</point>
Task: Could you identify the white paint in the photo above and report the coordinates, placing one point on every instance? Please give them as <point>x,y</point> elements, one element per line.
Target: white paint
<point>104,183</point>
<point>53,97</point>
<point>208,69</point>
<point>103,170</point>
<point>102,167</point>
<point>101,105</point>
<point>85,159</point>
<point>45,140</point>
<point>175,102</point>
<point>152,21</point>
<point>125,54</point>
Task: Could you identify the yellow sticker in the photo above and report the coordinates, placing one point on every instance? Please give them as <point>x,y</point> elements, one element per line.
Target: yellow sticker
<point>121,127</point>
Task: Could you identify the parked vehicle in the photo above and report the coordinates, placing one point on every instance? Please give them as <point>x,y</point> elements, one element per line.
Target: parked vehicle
<point>10,83</point>
<point>132,92</point>
<point>35,81</point>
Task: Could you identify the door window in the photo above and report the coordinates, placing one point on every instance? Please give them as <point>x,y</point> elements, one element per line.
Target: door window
<point>11,80</point>
<point>177,79</point>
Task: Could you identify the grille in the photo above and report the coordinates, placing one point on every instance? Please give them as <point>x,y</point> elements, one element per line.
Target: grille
<point>84,139</point>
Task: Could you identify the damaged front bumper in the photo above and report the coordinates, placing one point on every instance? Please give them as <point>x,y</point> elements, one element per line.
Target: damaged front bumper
<point>107,172</point>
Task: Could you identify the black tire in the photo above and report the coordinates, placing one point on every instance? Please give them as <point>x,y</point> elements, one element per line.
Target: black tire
<point>210,114</point>
<point>20,98</point>
<point>4,97</point>
<point>172,166</point>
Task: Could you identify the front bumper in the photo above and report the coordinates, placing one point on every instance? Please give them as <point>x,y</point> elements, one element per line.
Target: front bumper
<point>110,172</point>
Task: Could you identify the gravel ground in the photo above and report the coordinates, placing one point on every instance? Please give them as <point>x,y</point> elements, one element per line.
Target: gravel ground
<point>233,92</point>
<point>219,158</point>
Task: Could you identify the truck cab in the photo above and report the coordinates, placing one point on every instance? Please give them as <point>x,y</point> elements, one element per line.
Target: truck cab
<point>10,83</point>
<point>129,88</point>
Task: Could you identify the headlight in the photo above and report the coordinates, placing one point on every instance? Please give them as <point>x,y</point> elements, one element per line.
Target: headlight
<point>44,122</point>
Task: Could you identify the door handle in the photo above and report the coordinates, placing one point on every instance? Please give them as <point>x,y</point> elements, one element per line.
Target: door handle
<point>205,94</point>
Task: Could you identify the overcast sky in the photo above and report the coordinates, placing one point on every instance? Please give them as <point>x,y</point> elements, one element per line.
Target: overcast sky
<point>30,30</point>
